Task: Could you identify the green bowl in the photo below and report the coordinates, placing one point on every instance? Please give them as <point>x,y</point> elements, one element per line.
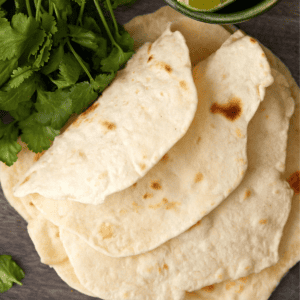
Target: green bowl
<point>236,12</point>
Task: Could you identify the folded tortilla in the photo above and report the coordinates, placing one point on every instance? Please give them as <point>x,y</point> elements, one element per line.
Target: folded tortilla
<point>256,286</point>
<point>123,134</point>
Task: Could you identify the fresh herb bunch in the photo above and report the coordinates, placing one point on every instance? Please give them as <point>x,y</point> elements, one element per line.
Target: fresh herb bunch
<point>10,272</point>
<point>56,57</point>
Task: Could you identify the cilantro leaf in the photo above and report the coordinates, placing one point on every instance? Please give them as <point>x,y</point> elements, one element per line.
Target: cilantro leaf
<point>90,24</point>
<point>38,137</point>
<point>57,105</point>
<point>55,60</point>
<point>115,60</point>
<point>10,97</point>
<point>86,38</point>
<point>102,81</point>
<point>9,148</point>
<point>23,111</point>
<point>44,53</point>
<point>62,32</point>
<point>125,41</point>
<point>49,23</point>
<point>20,75</point>
<point>82,95</point>
<point>70,70</point>
<point>6,68</point>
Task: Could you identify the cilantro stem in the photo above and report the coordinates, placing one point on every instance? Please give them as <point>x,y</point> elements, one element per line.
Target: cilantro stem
<point>38,9</point>
<point>50,8</point>
<point>79,60</point>
<point>28,8</point>
<point>79,20</point>
<point>56,12</point>
<point>104,23</point>
<point>113,16</point>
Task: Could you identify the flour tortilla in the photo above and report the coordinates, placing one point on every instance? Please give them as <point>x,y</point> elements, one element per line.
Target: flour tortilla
<point>123,134</point>
<point>194,177</point>
<point>291,232</point>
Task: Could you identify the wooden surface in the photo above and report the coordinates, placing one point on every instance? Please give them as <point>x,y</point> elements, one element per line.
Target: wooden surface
<point>278,30</point>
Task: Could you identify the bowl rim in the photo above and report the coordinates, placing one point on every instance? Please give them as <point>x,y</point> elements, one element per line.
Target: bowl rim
<point>217,18</point>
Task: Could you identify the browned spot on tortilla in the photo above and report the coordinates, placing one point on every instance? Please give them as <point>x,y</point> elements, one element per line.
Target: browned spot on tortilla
<point>252,40</point>
<point>123,211</point>
<point>150,58</point>
<point>171,205</point>
<point>164,66</point>
<point>229,285</point>
<point>137,91</point>
<point>220,276</point>
<point>224,76</point>
<point>262,109</point>
<point>161,93</point>
<point>294,182</point>
<point>183,85</point>
<point>158,205</point>
<point>106,231</point>
<point>208,289</point>
<point>155,185</point>
<point>109,125</point>
<point>30,203</point>
<point>165,158</point>
<point>263,55</point>
<point>126,295</point>
<point>148,195</point>
<point>134,185</point>
<point>90,109</point>
<point>263,221</point>
<point>165,267</point>
<point>192,294</point>
<point>39,155</point>
<point>244,279</point>
<point>198,177</point>
<point>247,268</point>
<point>81,154</point>
<point>267,117</point>
<point>239,133</point>
<point>247,194</point>
<point>241,288</point>
<point>142,166</point>
<point>232,110</point>
<point>198,140</point>
<point>149,48</point>
<point>195,225</point>
<point>57,234</point>
<point>132,79</point>
<point>26,179</point>
<point>159,270</point>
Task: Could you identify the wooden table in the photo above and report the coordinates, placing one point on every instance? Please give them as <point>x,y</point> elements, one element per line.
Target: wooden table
<point>278,30</point>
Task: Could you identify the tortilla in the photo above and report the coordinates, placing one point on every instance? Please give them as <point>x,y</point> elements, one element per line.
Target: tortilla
<point>194,177</point>
<point>123,134</point>
<point>291,231</point>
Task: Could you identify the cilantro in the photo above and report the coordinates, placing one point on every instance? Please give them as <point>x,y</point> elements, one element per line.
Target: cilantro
<point>10,272</point>
<point>56,58</point>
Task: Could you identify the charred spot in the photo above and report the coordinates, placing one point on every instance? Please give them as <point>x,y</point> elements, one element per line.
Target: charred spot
<point>150,58</point>
<point>165,158</point>
<point>183,85</point>
<point>57,234</point>
<point>90,109</point>
<point>164,66</point>
<point>294,182</point>
<point>155,185</point>
<point>31,204</point>
<point>165,267</point>
<point>198,177</point>
<point>147,195</point>
<point>209,288</point>
<point>134,185</point>
<point>39,155</point>
<point>232,110</point>
<point>109,125</point>
<point>142,166</point>
<point>263,221</point>
<point>168,68</point>
<point>149,48</point>
<point>252,40</point>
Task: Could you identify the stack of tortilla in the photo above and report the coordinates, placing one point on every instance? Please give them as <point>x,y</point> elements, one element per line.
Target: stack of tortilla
<point>215,212</point>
